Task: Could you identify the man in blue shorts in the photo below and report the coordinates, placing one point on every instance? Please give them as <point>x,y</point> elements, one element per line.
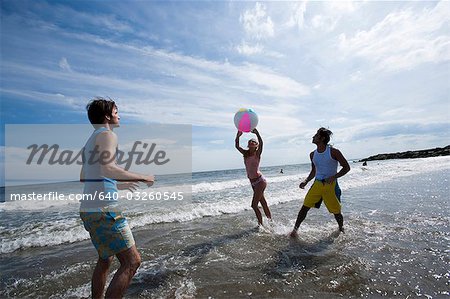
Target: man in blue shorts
<point>324,164</point>
<point>108,228</point>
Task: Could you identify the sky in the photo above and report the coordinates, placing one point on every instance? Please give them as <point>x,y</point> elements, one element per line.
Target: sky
<point>375,73</point>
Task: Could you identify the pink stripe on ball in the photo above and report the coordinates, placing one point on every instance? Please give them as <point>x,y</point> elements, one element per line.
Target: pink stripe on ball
<point>245,123</point>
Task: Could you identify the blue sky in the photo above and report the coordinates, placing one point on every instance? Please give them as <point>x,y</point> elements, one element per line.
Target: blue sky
<point>376,73</point>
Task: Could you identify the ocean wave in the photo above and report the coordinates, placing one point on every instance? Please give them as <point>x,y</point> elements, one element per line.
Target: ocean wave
<point>375,172</point>
<point>71,230</point>
<point>42,234</point>
<point>50,232</point>
<point>218,186</point>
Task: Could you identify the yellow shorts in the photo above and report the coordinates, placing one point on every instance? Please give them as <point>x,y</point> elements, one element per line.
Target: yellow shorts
<point>327,192</point>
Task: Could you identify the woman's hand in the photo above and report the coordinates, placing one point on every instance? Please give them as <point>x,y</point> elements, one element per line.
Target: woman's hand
<point>239,134</point>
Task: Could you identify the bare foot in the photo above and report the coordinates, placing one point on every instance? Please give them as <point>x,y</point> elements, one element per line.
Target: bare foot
<point>293,234</point>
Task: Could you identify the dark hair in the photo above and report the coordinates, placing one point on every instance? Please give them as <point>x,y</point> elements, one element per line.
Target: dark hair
<point>98,108</point>
<point>325,133</point>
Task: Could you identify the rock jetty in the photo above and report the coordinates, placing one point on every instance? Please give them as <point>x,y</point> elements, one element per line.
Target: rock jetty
<point>434,152</point>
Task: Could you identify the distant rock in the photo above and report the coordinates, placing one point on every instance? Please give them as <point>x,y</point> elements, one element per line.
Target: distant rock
<point>439,151</point>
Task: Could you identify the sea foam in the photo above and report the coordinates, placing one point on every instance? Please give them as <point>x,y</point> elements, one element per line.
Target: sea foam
<point>281,188</point>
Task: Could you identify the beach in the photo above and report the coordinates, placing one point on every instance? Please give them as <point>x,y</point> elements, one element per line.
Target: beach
<point>396,240</point>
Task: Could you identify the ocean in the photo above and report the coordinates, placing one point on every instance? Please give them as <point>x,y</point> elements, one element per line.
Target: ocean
<point>396,240</point>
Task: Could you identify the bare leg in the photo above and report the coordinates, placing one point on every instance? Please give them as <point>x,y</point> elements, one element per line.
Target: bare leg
<point>99,277</point>
<point>258,193</point>
<point>301,216</point>
<point>265,207</point>
<point>340,221</point>
<point>130,260</point>
<point>257,211</point>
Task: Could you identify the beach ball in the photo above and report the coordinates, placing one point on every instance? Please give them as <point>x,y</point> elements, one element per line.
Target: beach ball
<point>245,120</point>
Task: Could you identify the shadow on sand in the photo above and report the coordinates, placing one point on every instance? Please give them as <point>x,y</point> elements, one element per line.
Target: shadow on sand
<point>300,255</point>
<point>160,275</point>
<point>199,251</point>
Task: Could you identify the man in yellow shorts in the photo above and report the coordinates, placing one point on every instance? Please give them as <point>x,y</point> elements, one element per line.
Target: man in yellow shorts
<point>324,164</point>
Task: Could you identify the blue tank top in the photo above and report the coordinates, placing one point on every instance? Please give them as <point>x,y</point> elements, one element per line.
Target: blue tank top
<point>325,165</point>
<point>96,186</point>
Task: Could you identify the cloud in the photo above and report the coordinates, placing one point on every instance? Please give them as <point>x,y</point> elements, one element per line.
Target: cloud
<point>392,129</point>
<point>403,39</point>
<point>271,82</point>
<point>324,22</point>
<point>49,98</point>
<point>256,23</point>
<point>342,7</point>
<point>282,62</point>
<point>197,91</point>
<point>111,23</point>
<point>258,27</point>
<point>356,76</point>
<point>99,21</point>
<point>64,64</point>
<point>247,49</point>
<point>297,18</point>
<point>323,16</point>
